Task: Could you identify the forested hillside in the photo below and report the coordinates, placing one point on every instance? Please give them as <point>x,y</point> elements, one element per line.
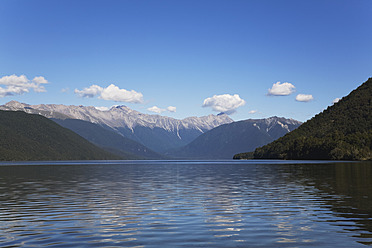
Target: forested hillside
<point>341,132</point>
<point>34,137</point>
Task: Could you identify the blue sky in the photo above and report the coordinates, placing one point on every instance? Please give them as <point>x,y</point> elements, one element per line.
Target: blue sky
<point>225,55</point>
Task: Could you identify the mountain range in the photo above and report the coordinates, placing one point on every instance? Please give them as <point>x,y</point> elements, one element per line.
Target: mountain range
<point>226,140</point>
<point>341,132</point>
<point>133,135</point>
<point>158,133</point>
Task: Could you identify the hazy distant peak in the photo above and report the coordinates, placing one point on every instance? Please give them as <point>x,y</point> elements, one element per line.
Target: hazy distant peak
<point>16,104</point>
<point>275,119</point>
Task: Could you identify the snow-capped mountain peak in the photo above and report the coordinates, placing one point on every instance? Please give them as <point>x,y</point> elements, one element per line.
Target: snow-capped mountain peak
<point>130,123</point>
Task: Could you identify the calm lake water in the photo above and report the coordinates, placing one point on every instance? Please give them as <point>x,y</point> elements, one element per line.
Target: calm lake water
<point>186,204</point>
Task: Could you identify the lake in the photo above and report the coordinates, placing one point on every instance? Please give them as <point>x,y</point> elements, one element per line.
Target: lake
<point>186,204</point>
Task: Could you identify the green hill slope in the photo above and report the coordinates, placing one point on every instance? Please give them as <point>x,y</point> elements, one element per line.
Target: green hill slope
<point>33,137</point>
<point>341,132</point>
<point>109,140</point>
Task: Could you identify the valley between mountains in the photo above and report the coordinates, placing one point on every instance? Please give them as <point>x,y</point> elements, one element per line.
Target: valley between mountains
<point>129,134</point>
<point>343,131</point>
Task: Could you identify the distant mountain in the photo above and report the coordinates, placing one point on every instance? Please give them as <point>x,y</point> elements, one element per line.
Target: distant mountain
<point>33,137</point>
<point>109,140</point>
<point>159,133</point>
<point>226,140</point>
<point>341,132</point>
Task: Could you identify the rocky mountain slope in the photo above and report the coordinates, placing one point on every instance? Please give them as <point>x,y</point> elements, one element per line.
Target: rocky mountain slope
<point>226,140</point>
<point>109,140</point>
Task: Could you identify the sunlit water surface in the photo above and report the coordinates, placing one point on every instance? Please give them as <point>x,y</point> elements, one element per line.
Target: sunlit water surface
<point>185,204</point>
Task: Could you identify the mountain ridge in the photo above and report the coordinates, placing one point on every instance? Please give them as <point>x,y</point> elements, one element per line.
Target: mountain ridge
<point>226,140</point>
<point>130,118</point>
<point>159,133</point>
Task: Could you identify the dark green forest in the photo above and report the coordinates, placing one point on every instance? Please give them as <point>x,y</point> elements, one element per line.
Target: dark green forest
<point>341,132</point>
<point>33,137</point>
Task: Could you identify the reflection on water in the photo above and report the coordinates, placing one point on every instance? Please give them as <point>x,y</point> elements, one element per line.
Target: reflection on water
<point>181,203</point>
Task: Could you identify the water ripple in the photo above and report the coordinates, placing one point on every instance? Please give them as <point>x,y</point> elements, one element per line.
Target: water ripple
<point>183,204</point>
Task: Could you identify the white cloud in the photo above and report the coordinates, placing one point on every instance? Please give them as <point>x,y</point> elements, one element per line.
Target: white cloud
<point>252,112</point>
<point>336,100</point>
<point>40,80</point>
<point>103,108</point>
<point>14,80</point>
<point>89,92</point>
<point>172,109</point>
<point>304,98</point>
<point>112,92</point>
<point>17,85</point>
<point>224,103</point>
<point>281,89</point>
<point>158,110</point>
